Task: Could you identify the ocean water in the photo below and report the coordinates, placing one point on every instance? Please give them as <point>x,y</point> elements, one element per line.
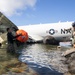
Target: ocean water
<point>44,59</point>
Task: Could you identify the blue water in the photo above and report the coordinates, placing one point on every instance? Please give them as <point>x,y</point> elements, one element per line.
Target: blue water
<point>44,59</point>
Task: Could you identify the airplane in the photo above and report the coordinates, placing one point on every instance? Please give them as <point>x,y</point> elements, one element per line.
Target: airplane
<point>51,33</point>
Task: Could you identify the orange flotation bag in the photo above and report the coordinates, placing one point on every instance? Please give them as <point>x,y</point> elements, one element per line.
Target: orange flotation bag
<point>23,37</point>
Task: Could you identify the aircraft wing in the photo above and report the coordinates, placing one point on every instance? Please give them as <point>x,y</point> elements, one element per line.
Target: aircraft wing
<point>35,38</point>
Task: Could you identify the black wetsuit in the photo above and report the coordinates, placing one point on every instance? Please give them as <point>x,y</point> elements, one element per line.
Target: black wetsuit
<point>10,37</point>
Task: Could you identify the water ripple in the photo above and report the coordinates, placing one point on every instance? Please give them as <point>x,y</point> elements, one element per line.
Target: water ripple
<point>41,58</point>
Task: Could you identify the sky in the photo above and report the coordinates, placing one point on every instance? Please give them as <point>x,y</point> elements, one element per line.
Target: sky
<point>29,12</point>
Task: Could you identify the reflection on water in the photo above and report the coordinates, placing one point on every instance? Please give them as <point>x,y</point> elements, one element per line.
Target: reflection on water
<point>45,59</point>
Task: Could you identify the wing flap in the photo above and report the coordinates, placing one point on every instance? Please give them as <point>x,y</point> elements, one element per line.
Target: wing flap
<point>35,37</point>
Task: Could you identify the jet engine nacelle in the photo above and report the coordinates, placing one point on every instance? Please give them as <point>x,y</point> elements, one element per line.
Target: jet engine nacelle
<point>50,40</point>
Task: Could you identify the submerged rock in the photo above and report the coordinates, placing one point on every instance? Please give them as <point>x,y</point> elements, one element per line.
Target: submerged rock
<point>19,68</point>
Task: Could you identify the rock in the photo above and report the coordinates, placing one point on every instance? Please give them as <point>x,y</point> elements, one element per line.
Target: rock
<point>71,63</point>
<point>58,47</point>
<point>72,67</point>
<point>68,52</point>
<point>3,37</point>
<point>19,68</point>
<point>67,73</point>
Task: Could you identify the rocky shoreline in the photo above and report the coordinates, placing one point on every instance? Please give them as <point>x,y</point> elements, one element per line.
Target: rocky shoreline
<point>30,72</point>
<point>70,61</point>
<point>19,69</point>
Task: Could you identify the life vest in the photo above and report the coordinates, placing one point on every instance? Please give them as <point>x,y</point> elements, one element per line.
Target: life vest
<point>23,37</point>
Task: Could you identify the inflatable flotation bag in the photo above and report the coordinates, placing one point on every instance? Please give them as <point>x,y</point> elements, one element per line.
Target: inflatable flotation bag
<point>23,37</point>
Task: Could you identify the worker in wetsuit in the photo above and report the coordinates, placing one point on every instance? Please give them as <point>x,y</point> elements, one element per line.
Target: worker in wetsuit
<point>10,40</point>
<point>73,34</point>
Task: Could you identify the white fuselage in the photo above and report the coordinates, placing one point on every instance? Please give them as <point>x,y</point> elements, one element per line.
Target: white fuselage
<point>56,30</point>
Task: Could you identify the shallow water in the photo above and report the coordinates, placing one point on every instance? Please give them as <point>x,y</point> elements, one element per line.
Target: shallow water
<point>44,59</point>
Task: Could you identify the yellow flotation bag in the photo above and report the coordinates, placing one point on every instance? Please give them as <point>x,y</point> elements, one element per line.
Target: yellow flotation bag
<point>23,37</point>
